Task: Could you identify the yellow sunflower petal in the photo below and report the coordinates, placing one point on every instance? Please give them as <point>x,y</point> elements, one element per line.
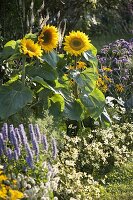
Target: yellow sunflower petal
<point>48,38</point>
<point>76,43</point>
<point>30,48</point>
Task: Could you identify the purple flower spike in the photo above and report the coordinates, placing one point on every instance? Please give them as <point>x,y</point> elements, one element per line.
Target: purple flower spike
<point>18,135</point>
<point>1,144</point>
<point>22,134</point>
<point>9,154</point>
<point>14,140</point>
<point>54,148</point>
<point>34,140</point>
<point>29,157</point>
<point>5,131</point>
<point>16,156</point>
<point>44,142</point>
<point>37,133</point>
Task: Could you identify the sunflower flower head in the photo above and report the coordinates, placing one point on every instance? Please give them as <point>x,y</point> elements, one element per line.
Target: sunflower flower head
<point>30,48</point>
<point>76,43</point>
<point>48,38</point>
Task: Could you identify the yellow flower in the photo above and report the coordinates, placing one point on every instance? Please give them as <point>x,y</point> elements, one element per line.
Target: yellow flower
<point>48,38</point>
<point>102,85</point>
<point>107,69</point>
<point>29,47</point>
<point>119,87</point>
<point>76,43</point>
<point>106,78</point>
<point>3,192</point>
<point>3,177</point>
<point>81,65</point>
<point>15,194</point>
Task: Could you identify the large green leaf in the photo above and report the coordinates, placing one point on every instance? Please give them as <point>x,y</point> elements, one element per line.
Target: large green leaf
<point>51,58</point>
<point>10,50</point>
<point>73,110</point>
<point>43,83</point>
<point>58,98</point>
<point>90,56</point>
<point>44,71</point>
<point>94,102</point>
<point>13,98</point>
<point>85,80</point>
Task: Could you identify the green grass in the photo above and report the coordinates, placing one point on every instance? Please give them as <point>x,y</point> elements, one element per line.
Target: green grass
<point>120,184</point>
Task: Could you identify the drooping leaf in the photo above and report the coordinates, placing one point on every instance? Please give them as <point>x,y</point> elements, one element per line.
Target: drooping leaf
<point>44,71</point>
<point>73,110</point>
<point>105,119</point>
<point>13,98</point>
<point>51,58</point>
<point>85,80</point>
<point>58,98</point>
<point>93,102</point>
<point>43,83</point>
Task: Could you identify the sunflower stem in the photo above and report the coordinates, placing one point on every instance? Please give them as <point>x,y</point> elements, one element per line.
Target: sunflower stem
<point>75,87</point>
<point>23,70</point>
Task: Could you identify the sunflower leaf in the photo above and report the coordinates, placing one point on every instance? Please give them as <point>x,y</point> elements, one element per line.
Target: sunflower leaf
<point>51,58</point>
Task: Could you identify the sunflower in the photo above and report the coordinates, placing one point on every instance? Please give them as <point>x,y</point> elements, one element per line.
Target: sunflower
<point>76,43</point>
<point>29,47</point>
<point>48,38</point>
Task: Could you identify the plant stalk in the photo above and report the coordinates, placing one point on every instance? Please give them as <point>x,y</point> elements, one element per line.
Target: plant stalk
<point>75,87</point>
<point>23,71</point>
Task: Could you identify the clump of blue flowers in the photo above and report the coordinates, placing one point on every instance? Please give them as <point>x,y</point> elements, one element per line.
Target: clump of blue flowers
<point>26,150</point>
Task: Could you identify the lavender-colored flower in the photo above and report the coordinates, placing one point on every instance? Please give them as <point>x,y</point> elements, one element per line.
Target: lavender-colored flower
<point>14,140</point>
<point>34,140</point>
<point>29,156</point>
<point>22,134</point>
<point>44,142</point>
<point>16,157</point>
<point>54,148</point>
<point>9,153</point>
<point>18,135</point>
<point>5,131</point>
<point>1,144</point>
<point>37,133</point>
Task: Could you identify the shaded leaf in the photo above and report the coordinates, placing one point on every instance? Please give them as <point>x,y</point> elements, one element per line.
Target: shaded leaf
<point>13,98</point>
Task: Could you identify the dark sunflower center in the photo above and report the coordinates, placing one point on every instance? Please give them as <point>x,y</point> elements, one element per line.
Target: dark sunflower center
<point>30,48</point>
<point>47,37</point>
<point>76,44</point>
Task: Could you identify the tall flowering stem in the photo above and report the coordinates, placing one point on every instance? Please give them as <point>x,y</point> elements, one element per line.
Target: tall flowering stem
<point>75,87</point>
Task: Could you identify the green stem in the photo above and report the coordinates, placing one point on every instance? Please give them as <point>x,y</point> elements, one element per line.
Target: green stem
<point>75,87</point>
<point>23,71</point>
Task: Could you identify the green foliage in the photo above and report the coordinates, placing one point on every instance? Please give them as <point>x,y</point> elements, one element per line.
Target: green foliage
<point>49,83</point>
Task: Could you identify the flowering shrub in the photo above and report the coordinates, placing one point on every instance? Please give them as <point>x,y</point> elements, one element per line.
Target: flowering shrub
<point>86,161</point>
<point>31,155</point>
<point>39,77</point>
<point>115,62</point>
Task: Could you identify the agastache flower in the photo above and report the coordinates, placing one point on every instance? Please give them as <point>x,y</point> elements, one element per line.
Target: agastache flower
<point>5,131</point>
<point>1,144</point>
<point>22,134</point>
<point>54,148</point>
<point>34,140</point>
<point>29,156</point>
<point>44,142</point>
<point>14,139</point>
<point>37,133</point>
<point>9,153</point>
